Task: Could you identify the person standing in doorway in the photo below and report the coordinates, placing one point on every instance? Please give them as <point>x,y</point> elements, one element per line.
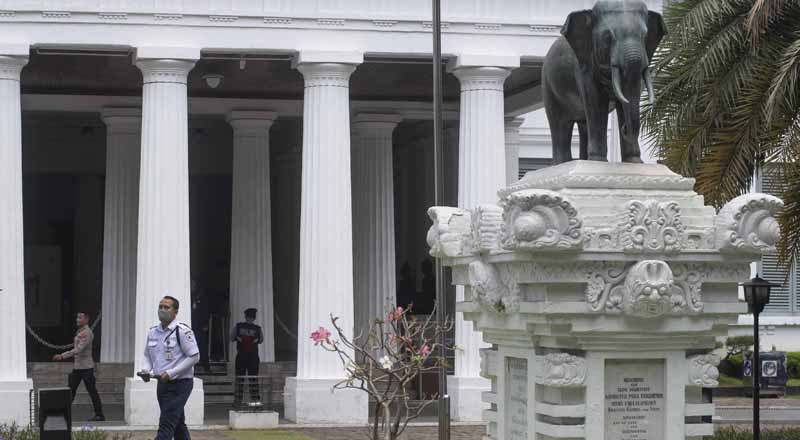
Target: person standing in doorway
<point>170,354</point>
<point>247,336</point>
<point>83,366</point>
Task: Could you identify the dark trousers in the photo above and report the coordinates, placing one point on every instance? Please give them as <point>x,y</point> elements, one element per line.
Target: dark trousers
<point>172,397</point>
<point>247,364</point>
<point>87,376</point>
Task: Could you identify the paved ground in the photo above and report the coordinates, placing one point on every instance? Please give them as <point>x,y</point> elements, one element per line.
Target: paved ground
<point>426,433</point>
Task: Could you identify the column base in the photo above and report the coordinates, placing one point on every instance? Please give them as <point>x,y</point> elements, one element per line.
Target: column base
<point>466,404</point>
<point>15,406</point>
<point>315,401</point>
<point>141,404</point>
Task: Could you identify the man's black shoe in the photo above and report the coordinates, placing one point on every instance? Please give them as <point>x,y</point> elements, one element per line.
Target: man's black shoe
<point>98,418</point>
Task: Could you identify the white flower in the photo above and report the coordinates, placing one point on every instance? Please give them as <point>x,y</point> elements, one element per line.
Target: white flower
<point>386,363</point>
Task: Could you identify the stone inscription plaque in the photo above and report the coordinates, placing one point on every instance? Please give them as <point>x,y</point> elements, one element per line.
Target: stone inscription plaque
<point>634,400</point>
<point>516,398</point>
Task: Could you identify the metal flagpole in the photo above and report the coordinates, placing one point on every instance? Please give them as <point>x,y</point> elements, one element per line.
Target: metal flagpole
<point>438,200</point>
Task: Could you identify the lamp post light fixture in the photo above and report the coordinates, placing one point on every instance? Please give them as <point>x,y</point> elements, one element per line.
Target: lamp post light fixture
<point>756,293</point>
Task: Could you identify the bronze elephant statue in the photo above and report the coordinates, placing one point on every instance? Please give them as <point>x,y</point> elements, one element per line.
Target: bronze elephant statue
<point>599,64</point>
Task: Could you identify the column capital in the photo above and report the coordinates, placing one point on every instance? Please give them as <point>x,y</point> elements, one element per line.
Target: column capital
<point>11,66</point>
<point>463,61</point>
<point>375,121</point>
<point>513,122</point>
<point>122,119</point>
<point>166,64</point>
<point>331,69</point>
<point>481,78</point>
<point>251,122</point>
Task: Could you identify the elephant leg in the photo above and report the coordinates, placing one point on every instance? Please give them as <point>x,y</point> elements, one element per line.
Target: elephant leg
<point>628,145</point>
<point>596,103</point>
<point>560,135</point>
<point>584,138</point>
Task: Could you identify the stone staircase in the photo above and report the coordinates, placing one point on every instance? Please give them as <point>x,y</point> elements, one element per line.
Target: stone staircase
<point>218,382</point>
<point>110,379</point>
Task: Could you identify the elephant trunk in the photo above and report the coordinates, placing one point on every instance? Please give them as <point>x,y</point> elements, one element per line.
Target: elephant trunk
<point>626,82</point>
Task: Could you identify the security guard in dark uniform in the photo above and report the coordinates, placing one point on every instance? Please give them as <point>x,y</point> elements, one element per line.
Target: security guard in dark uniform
<point>248,336</point>
<point>170,354</point>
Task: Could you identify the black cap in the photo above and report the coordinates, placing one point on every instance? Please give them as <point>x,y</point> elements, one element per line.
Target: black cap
<point>250,312</point>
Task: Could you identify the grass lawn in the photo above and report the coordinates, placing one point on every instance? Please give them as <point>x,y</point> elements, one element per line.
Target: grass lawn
<point>266,435</point>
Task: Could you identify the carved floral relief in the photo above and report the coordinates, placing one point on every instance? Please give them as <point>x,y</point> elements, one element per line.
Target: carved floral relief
<point>487,226</point>
<point>747,224</point>
<point>451,233</point>
<point>494,287</point>
<point>651,226</point>
<point>541,220</point>
<point>562,370</point>
<point>703,370</point>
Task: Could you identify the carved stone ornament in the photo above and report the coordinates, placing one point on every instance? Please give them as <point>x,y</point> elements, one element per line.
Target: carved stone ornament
<point>703,370</point>
<point>562,370</point>
<point>541,220</point>
<point>747,224</point>
<point>487,225</point>
<point>647,289</point>
<point>495,288</point>
<point>651,226</point>
<point>451,233</point>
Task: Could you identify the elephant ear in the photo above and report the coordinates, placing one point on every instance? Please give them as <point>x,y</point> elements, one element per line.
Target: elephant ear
<point>656,29</point>
<point>578,32</point>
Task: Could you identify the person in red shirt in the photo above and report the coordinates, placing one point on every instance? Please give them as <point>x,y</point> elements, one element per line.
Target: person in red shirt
<point>248,336</point>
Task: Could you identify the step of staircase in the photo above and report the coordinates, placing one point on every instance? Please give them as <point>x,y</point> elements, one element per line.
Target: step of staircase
<point>218,382</point>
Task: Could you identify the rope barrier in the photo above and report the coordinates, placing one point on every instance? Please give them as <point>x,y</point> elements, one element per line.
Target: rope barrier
<point>283,326</point>
<point>41,340</point>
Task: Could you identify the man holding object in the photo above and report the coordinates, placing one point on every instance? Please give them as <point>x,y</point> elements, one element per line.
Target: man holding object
<point>83,368</point>
<point>170,354</point>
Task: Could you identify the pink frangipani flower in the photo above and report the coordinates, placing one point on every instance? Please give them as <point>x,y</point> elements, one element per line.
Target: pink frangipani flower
<point>425,351</point>
<point>321,335</point>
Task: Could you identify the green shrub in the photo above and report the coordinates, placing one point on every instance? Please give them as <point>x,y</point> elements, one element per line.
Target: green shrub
<point>738,433</point>
<point>732,366</point>
<point>793,364</point>
<point>738,344</point>
<point>15,432</point>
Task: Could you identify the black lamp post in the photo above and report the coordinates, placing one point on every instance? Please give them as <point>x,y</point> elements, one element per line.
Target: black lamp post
<point>756,293</point>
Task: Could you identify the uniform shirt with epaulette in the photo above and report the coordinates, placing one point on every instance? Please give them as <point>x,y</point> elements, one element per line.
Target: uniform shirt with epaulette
<point>170,349</point>
<point>81,349</point>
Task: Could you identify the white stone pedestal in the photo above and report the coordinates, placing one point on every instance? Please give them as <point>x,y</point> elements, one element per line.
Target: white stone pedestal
<point>315,401</point>
<point>15,401</point>
<point>141,404</point>
<point>252,420</point>
<point>602,289</point>
<point>466,397</point>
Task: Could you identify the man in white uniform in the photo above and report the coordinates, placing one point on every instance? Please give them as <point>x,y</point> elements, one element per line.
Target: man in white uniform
<point>169,356</point>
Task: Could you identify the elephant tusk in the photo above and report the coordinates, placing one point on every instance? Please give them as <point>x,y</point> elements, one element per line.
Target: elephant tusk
<point>615,84</point>
<point>648,83</point>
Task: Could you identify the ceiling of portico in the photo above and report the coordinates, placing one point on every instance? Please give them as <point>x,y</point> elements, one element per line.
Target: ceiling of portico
<point>376,79</point>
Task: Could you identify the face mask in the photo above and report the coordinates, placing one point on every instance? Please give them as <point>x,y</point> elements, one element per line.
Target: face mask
<point>164,315</point>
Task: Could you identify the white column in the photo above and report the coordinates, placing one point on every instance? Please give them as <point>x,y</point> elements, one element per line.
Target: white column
<point>251,227</point>
<point>481,172</point>
<point>374,269</point>
<point>512,125</point>
<point>123,144</point>
<point>162,266</point>
<point>14,382</point>
<point>326,243</point>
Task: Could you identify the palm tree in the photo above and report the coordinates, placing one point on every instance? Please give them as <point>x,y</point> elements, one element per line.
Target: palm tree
<point>727,80</point>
